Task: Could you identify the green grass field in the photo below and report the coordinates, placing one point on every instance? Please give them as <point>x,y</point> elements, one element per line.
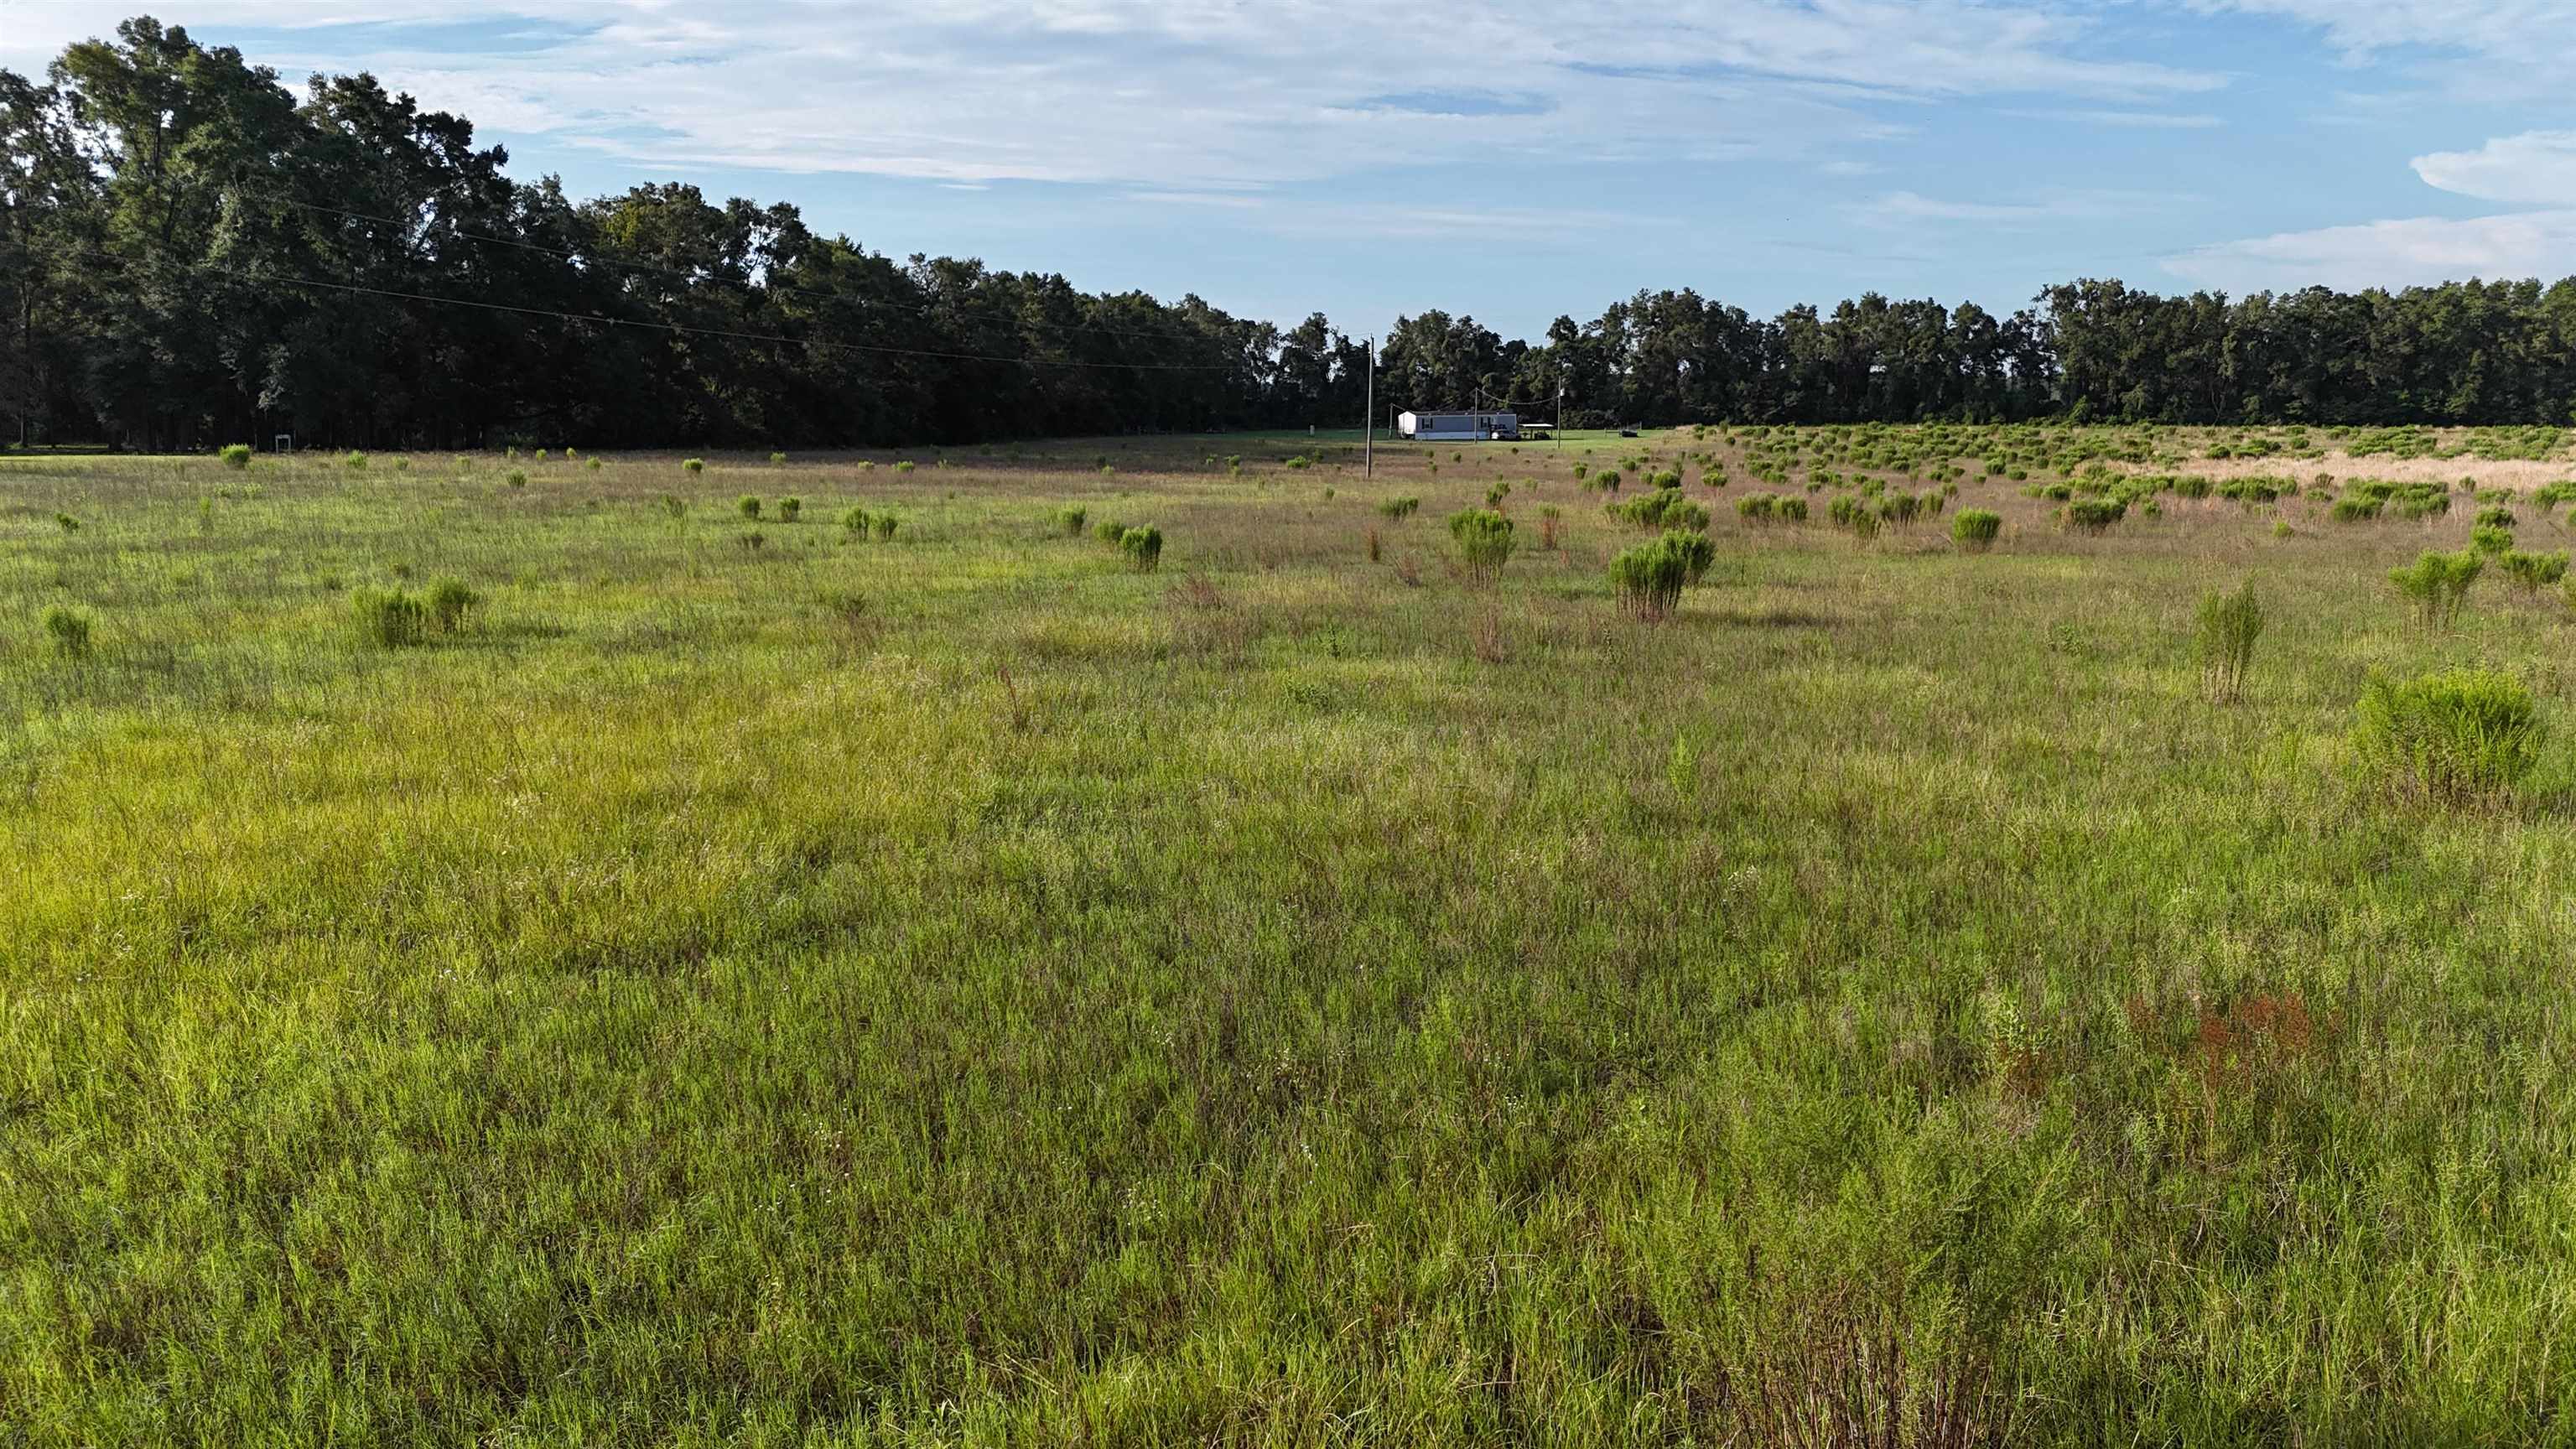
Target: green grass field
<point>957,989</point>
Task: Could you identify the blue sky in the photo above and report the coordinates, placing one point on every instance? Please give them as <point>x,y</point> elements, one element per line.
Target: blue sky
<point>1515,160</point>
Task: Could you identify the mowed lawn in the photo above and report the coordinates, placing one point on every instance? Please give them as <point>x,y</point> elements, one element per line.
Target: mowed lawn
<point>957,989</point>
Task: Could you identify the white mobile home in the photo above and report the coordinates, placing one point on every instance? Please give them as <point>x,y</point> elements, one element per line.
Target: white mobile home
<point>1459,427</point>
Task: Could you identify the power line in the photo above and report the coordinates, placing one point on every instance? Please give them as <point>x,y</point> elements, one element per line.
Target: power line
<point>774,286</point>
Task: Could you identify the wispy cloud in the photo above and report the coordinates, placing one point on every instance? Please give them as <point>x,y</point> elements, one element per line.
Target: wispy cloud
<point>1178,93</point>
<point>2089,205</point>
<point>2416,251</point>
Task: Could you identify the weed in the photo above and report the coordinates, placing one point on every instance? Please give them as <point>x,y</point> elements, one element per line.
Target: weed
<point>449,602</point>
<point>2228,626</point>
<point>748,505</point>
<point>69,630</point>
<point>2437,584</point>
<point>1976,529</point>
<point>2463,737</point>
<point>1143,548</point>
<point>393,620</point>
<point>790,509</point>
<point>236,456</point>
<point>1484,539</point>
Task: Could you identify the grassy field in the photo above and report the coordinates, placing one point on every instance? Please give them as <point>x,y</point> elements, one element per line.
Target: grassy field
<point>754,982</point>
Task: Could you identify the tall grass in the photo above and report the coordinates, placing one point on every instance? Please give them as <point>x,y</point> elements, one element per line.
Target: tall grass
<point>956,992</point>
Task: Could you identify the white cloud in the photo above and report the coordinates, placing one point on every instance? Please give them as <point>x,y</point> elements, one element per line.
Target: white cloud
<point>2419,251</point>
<point>2529,32</point>
<point>2536,168</point>
<point>2090,205</point>
<point>1180,94</point>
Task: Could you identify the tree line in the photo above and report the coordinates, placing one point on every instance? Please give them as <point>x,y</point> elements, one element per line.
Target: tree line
<point>192,254</point>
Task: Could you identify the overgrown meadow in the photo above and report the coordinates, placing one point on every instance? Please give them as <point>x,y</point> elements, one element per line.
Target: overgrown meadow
<point>2017,936</point>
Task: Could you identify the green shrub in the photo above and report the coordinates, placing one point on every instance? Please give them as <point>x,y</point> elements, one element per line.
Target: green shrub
<point>2461,737</point>
<point>2093,515</point>
<point>66,523</point>
<point>673,506</point>
<point>1787,510</point>
<point>518,480</point>
<point>69,629</point>
<point>590,463</point>
<point>356,460</point>
<point>904,467</point>
<point>856,521</point>
<point>236,456</point>
<point>1069,520</point>
<point>1757,507</point>
<point>1400,509</point>
<point>1648,580</point>
<point>1110,532</point>
<point>777,458</point>
<point>2438,583</point>
<point>2356,508</point>
<point>2535,571</point>
<point>449,602</point>
<point>884,524</point>
<point>2497,518</point>
<point>2487,538</point>
<point>748,506</point>
<point>1143,548</point>
<point>1484,539</point>
<point>388,621</point>
<point>694,465</point>
<point>1976,529</point>
<point>2229,625</point>
<point>789,509</point>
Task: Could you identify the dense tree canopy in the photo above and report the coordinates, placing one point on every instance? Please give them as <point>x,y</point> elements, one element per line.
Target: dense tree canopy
<point>191,255</point>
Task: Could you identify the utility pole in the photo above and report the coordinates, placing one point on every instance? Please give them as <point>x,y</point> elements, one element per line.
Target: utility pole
<point>1368,420</point>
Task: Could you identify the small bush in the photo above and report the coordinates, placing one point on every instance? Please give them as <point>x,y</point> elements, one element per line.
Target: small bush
<point>518,480</point>
<point>1400,509</point>
<point>449,602</point>
<point>2463,737</point>
<point>777,458</point>
<point>748,506</point>
<point>1484,539</point>
<point>694,465</point>
<point>1143,548</point>
<point>1068,521</point>
<point>904,467</point>
<point>388,621</point>
<point>2093,515</point>
<point>673,506</point>
<point>590,463</point>
<point>1976,529</point>
<point>1110,532</point>
<point>1648,580</point>
<point>856,521</point>
<point>2438,583</point>
<point>356,460</point>
<point>236,456</point>
<point>2489,539</point>
<point>884,526</point>
<point>2496,518</point>
<point>1757,507</point>
<point>2229,625</point>
<point>790,509</point>
<point>2535,571</point>
<point>69,629</point>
